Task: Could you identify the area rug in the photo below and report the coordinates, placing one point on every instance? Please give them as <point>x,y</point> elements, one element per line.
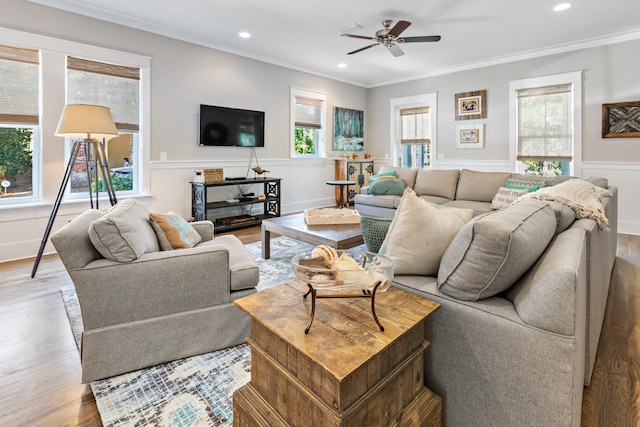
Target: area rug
<point>196,391</point>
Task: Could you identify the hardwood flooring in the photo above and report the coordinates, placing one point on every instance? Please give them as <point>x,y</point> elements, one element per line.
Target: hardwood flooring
<point>40,365</point>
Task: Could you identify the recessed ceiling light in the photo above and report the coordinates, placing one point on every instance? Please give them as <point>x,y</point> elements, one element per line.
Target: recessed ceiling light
<point>244,34</point>
<point>562,6</point>
<point>342,65</point>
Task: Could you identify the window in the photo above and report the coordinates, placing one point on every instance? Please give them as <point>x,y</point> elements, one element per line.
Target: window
<point>19,122</point>
<point>116,87</point>
<point>308,130</point>
<point>545,124</point>
<point>414,137</point>
<point>413,130</point>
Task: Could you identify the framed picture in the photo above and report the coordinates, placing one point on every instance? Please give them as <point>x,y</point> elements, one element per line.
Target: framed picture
<point>470,136</point>
<point>348,129</point>
<point>471,105</point>
<point>621,120</point>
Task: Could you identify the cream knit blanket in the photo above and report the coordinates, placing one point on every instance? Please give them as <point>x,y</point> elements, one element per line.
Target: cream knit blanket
<point>584,198</point>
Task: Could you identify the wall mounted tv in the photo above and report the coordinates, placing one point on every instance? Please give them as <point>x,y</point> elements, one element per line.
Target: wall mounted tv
<point>231,127</point>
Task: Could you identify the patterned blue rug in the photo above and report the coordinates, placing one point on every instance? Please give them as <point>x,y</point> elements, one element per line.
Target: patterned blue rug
<point>196,391</point>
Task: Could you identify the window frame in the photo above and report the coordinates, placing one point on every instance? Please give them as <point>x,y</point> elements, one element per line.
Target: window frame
<point>76,63</point>
<point>429,100</point>
<point>27,123</point>
<point>52,55</point>
<point>575,79</point>
<point>321,148</point>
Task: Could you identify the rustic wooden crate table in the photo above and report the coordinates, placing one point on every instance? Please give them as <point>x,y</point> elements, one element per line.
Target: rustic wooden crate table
<point>345,372</point>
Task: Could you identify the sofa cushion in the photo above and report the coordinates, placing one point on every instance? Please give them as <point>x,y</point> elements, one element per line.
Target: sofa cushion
<point>442,183</point>
<point>420,233</point>
<point>529,182</point>
<point>479,208</point>
<point>383,175</point>
<point>243,270</point>
<point>382,187</point>
<point>386,201</point>
<point>505,196</point>
<point>480,186</point>
<point>124,232</point>
<point>408,174</point>
<point>494,250</point>
<point>173,231</point>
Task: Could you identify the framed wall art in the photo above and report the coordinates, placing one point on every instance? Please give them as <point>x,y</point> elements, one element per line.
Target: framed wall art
<point>621,120</point>
<point>348,129</point>
<point>471,105</point>
<point>470,136</point>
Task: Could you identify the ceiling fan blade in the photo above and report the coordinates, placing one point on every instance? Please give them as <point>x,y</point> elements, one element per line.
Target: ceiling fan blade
<point>399,27</point>
<point>395,50</point>
<point>420,39</point>
<point>355,36</point>
<point>362,48</point>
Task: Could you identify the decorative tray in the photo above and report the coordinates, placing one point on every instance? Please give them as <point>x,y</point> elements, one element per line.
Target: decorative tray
<point>331,216</point>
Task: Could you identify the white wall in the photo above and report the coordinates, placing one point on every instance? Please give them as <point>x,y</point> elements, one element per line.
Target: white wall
<point>183,76</point>
<point>610,75</point>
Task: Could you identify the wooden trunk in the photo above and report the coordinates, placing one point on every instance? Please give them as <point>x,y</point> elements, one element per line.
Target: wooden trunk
<point>345,372</point>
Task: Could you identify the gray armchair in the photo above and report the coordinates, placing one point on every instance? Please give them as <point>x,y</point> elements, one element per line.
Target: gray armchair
<point>160,307</point>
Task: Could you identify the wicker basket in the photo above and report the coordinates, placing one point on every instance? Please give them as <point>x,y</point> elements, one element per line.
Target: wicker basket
<point>213,175</point>
<point>374,230</point>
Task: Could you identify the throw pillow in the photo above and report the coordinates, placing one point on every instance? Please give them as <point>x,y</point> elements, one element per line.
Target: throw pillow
<point>532,183</point>
<point>383,175</point>
<point>505,196</point>
<point>420,233</point>
<point>393,186</point>
<point>124,233</point>
<point>173,231</point>
<point>494,250</point>
<point>522,187</point>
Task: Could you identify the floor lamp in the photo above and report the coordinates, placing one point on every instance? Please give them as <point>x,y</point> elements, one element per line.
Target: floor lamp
<point>81,121</point>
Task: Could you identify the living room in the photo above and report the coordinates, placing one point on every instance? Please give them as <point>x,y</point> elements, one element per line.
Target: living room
<point>183,75</point>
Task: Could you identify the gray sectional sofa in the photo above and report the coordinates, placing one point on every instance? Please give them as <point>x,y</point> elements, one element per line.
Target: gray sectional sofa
<point>521,356</point>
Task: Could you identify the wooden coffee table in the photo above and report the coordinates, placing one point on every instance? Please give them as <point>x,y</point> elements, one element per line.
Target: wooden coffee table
<point>339,236</point>
<point>345,372</point>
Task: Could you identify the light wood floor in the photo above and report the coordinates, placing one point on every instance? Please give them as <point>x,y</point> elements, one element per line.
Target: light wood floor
<point>40,365</point>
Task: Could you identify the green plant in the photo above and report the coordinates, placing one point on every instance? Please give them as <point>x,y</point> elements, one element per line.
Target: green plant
<point>304,141</point>
<point>15,155</point>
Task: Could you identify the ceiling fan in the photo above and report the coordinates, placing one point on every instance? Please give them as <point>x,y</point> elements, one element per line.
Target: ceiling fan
<point>390,37</point>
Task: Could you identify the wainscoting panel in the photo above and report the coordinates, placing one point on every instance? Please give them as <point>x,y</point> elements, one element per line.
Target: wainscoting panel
<point>626,177</point>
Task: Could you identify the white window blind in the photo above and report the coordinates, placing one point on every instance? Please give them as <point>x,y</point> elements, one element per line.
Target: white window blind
<point>545,123</point>
<point>113,86</point>
<point>19,85</point>
<point>308,113</point>
<point>414,125</point>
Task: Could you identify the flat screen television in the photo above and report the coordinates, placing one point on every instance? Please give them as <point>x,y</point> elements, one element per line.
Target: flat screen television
<point>231,127</point>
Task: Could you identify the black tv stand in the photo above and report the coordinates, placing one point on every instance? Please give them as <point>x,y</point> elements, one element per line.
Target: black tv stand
<point>200,205</point>
<point>235,178</point>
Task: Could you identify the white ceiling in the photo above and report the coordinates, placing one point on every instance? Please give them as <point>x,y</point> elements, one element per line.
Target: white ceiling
<point>305,35</point>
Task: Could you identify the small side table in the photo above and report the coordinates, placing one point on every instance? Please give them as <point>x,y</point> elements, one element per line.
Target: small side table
<point>342,184</point>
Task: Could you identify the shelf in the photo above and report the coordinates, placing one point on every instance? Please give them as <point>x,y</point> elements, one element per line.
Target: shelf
<point>221,227</point>
<point>224,204</point>
<point>200,206</point>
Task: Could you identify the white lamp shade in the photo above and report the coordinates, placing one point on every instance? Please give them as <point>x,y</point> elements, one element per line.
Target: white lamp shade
<point>82,120</point>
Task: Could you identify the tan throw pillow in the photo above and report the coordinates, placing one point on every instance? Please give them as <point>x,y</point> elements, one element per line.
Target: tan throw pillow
<point>173,231</point>
<point>494,250</point>
<point>505,196</point>
<point>420,233</point>
<point>124,233</point>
